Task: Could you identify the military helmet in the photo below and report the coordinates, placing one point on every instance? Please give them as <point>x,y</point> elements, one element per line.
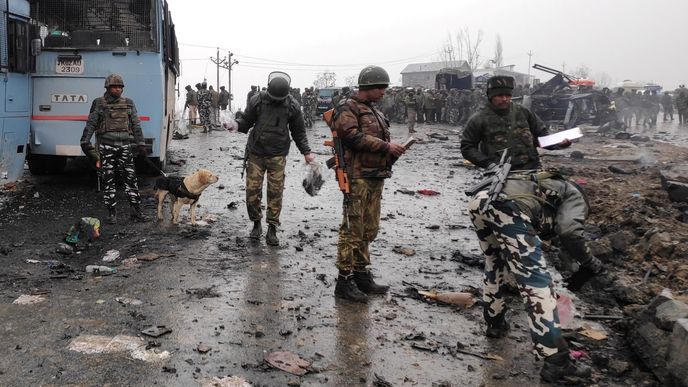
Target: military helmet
<point>373,77</point>
<point>500,85</point>
<point>114,80</point>
<point>278,85</point>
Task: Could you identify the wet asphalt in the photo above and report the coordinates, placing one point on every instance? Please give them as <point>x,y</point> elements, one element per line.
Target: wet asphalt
<point>244,299</point>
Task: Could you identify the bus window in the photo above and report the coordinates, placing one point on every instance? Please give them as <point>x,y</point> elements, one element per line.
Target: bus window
<point>18,46</point>
<point>103,24</point>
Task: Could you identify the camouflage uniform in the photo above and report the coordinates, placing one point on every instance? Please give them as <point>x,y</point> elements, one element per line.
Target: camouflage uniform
<point>267,147</point>
<point>532,203</point>
<point>114,120</point>
<point>368,164</point>
<point>410,103</point>
<point>204,106</point>
<point>192,104</point>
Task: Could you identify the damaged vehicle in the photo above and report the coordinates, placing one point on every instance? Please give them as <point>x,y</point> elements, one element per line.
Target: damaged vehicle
<point>566,101</point>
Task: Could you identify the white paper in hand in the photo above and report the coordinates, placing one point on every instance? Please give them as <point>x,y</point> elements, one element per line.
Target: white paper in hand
<point>556,138</point>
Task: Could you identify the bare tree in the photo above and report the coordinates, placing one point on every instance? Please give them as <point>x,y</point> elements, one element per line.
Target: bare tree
<point>471,47</point>
<point>582,71</point>
<point>498,58</point>
<point>325,79</point>
<point>465,47</point>
<point>351,81</point>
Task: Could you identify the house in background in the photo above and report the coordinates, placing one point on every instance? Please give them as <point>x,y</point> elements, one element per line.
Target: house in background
<point>424,74</point>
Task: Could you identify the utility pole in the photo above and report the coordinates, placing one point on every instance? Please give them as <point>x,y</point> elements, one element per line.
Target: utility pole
<point>218,63</point>
<point>228,63</point>
<point>530,56</point>
<point>563,67</point>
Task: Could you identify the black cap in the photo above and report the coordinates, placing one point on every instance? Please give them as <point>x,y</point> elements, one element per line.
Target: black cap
<point>500,85</point>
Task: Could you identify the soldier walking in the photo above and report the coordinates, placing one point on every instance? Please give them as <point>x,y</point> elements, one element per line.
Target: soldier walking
<point>114,120</point>
<point>272,114</point>
<point>410,102</point>
<point>533,202</point>
<point>204,105</point>
<point>224,98</point>
<point>192,104</point>
<point>369,153</point>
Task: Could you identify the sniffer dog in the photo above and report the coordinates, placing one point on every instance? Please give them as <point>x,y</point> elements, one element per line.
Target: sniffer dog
<point>183,190</point>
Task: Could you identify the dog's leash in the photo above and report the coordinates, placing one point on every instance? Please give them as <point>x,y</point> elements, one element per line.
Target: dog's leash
<point>152,165</point>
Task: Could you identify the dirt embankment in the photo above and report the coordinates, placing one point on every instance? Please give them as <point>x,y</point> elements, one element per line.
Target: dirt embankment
<point>637,231</point>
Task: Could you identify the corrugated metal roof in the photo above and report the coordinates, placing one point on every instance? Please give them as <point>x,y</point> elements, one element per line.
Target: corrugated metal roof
<point>434,66</point>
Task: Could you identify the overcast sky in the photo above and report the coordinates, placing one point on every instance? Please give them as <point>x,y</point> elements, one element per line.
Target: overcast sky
<point>640,40</point>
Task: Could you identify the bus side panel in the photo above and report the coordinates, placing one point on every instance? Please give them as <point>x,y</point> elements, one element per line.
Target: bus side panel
<point>13,137</point>
<point>57,131</point>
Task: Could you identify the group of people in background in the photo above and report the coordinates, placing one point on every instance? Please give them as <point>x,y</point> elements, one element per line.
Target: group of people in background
<point>205,104</point>
<point>645,106</point>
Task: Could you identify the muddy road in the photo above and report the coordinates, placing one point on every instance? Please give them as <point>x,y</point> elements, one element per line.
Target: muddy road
<point>229,301</point>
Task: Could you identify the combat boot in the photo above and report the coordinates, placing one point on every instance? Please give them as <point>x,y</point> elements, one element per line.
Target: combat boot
<point>346,289</point>
<point>271,236</point>
<point>365,283</point>
<point>112,215</point>
<point>561,365</point>
<point>136,214</point>
<point>257,230</point>
<point>497,330</point>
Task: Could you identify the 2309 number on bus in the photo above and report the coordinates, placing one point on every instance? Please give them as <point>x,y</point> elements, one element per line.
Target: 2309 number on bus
<point>70,66</point>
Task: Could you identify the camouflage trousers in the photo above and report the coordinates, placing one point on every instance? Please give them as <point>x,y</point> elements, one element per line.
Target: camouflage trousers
<point>511,244</point>
<point>453,116</point>
<point>255,172</point>
<point>204,112</point>
<point>360,224</point>
<point>118,159</point>
<point>411,118</point>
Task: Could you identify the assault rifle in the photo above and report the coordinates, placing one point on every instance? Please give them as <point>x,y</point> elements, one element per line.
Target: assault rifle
<point>337,162</point>
<point>498,181</point>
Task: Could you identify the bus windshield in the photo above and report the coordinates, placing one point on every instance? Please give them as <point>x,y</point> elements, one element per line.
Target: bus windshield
<point>96,25</point>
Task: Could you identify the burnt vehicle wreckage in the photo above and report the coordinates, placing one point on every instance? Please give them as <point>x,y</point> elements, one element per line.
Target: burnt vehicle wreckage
<point>557,102</point>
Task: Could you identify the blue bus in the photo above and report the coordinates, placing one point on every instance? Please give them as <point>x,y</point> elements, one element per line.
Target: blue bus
<point>15,64</point>
<point>82,42</point>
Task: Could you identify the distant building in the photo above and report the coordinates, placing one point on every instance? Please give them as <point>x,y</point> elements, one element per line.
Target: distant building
<point>481,76</point>
<point>423,74</point>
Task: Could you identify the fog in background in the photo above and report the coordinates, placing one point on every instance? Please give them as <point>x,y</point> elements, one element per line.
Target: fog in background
<point>617,40</point>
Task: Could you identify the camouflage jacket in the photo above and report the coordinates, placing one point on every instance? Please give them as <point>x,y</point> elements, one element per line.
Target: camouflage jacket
<point>364,131</point>
<point>490,131</point>
<point>101,108</point>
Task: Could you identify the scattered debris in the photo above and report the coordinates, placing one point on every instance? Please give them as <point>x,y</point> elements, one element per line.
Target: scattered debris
<point>64,249</point>
<point>156,331</point>
<point>380,381</point>
<point>200,293</point>
<point>227,381</point>
<point>100,270</point>
<point>202,348</point>
<point>619,170</point>
<point>128,301</point>
<point>405,191</point>
<point>594,334</point>
<point>453,298</point>
<point>153,256</point>
<point>438,136</point>
<point>111,256</point>
<point>428,192</point>
<point>407,251</point>
<point>150,355</point>
<point>232,205</point>
<point>473,260</point>
<point>94,344</point>
<point>29,299</point>
<point>288,362</point>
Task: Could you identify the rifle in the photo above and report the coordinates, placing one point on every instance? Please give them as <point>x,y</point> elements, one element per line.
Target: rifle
<point>338,163</point>
<point>243,168</point>
<point>501,173</point>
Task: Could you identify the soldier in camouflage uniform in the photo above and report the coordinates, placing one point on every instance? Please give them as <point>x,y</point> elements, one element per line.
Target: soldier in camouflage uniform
<point>532,202</point>
<point>369,155</point>
<point>410,102</point>
<point>114,121</point>
<point>192,104</point>
<point>204,105</point>
<point>272,114</point>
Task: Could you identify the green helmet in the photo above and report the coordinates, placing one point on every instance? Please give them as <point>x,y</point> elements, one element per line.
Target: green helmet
<point>114,80</point>
<point>373,76</point>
